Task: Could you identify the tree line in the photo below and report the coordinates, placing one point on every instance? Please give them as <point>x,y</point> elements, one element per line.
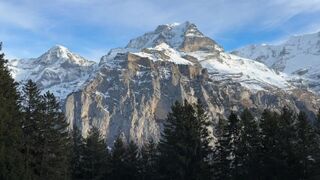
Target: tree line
<point>36,143</point>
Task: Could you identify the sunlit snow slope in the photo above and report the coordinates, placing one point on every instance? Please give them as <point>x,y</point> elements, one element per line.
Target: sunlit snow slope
<point>299,57</point>
<point>57,70</point>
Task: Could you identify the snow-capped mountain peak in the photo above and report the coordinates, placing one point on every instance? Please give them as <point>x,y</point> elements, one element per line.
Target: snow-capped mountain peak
<point>181,37</point>
<point>59,54</point>
<point>60,51</point>
<point>58,70</point>
<point>180,29</point>
<point>184,36</point>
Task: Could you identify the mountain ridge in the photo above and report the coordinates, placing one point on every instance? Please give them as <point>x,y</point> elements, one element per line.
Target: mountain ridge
<point>298,57</point>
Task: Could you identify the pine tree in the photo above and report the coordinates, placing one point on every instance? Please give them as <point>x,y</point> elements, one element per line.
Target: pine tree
<point>271,159</point>
<point>317,124</point>
<point>117,166</point>
<point>184,148</point>
<point>95,156</point>
<point>32,125</point>
<point>11,163</point>
<point>77,155</point>
<point>287,137</point>
<point>248,147</point>
<point>306,147</point>
<point>132,162</point>
<point>46,137</point>
<point>278,134</point>
<point>316,170</point>
<point>148,161</point>
<point>56,149</point>
<point>225,159</point>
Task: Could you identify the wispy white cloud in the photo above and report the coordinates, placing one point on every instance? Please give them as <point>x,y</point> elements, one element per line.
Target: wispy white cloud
<point>63,19</point>
<point>217,14</point>
<point>20,16</point>
<point>215,17</point>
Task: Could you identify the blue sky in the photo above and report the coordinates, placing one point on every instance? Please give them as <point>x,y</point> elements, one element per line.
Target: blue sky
<point>91,27</point>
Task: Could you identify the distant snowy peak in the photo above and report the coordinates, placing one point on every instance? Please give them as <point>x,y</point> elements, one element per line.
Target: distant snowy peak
<point>304,42</point>
<point>58,70</point>
<point>60,54</point>
<point>290,56</point>
<point>298,56</point>
<point>183,36</point>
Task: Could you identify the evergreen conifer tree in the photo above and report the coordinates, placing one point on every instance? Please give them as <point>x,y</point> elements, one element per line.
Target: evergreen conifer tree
<point>225,160</point>
<point>95,156</point>
<point>117,164</point>
<point>248,147</point>
<point>271,159</point>
<point>77,155</point>
<point>132,162</point>
<point>184,148</point>
<point>287,138</point>
<point>306,148</point>
<point>47,144</point>
<point>56,144</point>
<point>32,130</point>
<point>148,161</point>
<point>11,162</point>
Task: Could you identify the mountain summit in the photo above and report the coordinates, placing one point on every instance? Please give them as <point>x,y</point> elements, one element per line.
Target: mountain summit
<point>58,70</point>
<point>183,36</point>
<point>61,54</point>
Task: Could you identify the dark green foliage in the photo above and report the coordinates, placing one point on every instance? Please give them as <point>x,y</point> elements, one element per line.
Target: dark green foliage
<point>132,161</point>
<point>275,152</point>
<point>184,148</point>
<point>225,159</point>
<point>94,156</point>
<point>118,162</point>
<point>317,124</point>
<point>32,125</point>
<point>289,146</point>
<point>46,138</point>
<point>56,152</point>
<point>148,161</point>
<point>306,148</point>
<point>78,147</point>
<point>248,151</point>
<point>11,166</point>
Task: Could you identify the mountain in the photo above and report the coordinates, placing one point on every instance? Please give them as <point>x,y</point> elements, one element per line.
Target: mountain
<point>185,44</point>
<point>57,70</point>
<point>134,87</point>
<point>299,57</point>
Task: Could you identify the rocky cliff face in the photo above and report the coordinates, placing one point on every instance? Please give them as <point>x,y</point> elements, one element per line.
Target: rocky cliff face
<point>134,88</point>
